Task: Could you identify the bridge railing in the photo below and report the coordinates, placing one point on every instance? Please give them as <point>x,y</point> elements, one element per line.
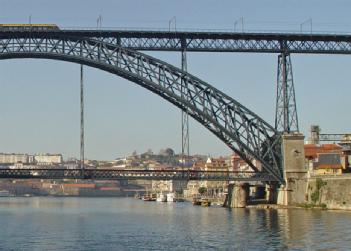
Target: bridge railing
<point>205,30</point>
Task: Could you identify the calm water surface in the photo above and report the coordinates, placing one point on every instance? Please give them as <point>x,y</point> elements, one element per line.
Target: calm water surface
<point>129,224</point>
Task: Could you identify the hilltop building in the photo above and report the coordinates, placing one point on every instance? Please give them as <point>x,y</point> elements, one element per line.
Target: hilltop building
<point>38,159</point>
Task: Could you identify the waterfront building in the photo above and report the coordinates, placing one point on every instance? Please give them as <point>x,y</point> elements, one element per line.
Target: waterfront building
<point>39,159</point>
<point>12,158</point>
<point>48,159</point>
<point>165,185</point>
<point>71,163</point>
<point>215,188</point>
<point>192,189</point>
<point>120,163</point>
<point>327,164</point>
<point>168,186</point>
<point>325,159</point>
<point>237,164</point>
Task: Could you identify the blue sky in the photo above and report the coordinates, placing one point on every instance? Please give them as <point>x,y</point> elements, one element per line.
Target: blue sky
<point>39,99</point>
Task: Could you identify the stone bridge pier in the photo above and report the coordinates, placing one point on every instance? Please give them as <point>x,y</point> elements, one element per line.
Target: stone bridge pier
<point>238,195</point>
<point>295,173</point>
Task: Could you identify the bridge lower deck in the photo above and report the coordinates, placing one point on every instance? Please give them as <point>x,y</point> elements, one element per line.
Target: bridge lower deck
<point>107,174</point>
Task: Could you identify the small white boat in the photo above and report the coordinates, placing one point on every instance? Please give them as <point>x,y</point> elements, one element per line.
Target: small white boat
<point>5,193</point>
<point>170,197</point>
<point>161,197</point>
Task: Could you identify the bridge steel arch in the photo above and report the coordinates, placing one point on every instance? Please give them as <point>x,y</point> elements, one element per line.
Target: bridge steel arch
<point>242,130</point>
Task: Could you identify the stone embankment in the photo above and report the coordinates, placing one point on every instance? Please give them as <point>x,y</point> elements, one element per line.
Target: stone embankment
<point>333,192</point>
<point>319,192</point>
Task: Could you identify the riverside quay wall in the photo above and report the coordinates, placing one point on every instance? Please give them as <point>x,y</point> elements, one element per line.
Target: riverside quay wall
<point>332,191</point>
<point>302,187</point>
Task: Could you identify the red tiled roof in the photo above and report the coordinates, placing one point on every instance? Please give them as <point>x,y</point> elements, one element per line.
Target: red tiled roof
<point>312,150</point>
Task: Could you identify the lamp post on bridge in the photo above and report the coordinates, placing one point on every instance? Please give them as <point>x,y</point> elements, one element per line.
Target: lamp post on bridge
<point>308,21</point>
<point>241,20</point>
<point>173,20</point>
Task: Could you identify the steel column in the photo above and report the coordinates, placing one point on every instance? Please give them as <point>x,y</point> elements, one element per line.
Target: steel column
<point>185,116</point>
<point>286,113</point>
<point>81,119</point>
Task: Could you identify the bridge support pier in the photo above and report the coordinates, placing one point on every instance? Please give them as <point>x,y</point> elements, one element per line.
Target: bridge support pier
<point>271,194</point>
<point>295,173</point>
<point>237,195</point>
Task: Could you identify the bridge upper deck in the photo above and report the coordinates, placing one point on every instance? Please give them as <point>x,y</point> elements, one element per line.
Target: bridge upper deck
<point>205,41</point>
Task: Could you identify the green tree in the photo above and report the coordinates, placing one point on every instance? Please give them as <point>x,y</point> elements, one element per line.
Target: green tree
<point>316,195</point>
<point>202,190</point>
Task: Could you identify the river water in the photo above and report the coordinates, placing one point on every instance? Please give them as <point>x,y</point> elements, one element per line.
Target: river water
<point>43,223</point>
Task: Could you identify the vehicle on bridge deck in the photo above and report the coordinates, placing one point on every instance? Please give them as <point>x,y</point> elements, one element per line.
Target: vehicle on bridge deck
<point>28,27</point>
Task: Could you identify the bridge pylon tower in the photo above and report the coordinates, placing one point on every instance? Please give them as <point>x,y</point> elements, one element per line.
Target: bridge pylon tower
<point>286,113</point>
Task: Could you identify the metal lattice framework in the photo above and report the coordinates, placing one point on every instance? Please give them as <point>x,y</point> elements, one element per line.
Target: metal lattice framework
<point>108,174</point>
<point>210,41</point>
<point>238,127</point>
<point>286,119</point>
<point>231,42</point>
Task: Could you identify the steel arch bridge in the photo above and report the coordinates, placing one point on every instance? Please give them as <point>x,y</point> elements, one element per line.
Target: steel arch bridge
<point>241,129</point>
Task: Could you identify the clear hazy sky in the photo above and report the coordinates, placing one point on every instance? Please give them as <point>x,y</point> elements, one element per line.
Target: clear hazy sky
<point>39,99</point>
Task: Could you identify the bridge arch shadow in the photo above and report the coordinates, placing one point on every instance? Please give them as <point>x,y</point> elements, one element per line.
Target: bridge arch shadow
<point>239,128</point>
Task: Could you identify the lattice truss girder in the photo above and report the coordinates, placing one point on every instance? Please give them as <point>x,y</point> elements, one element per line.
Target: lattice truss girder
<point>49,173</point>
<point>212,41</point>
<point>235,44</point>
<point>191,44</point>
<point>241,129</point>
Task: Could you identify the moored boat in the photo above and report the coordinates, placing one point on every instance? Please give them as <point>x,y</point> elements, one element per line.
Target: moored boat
<point>5,193</point>
<point>196,202</point>
<point>137,196</point>
<point>161,197</point>
<point>149,197</point>
<point>205,203</point>
<point>170,197</point>
<point>201,202</point>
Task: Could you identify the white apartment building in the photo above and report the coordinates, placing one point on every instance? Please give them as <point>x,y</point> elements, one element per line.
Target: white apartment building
<point>48,159</point>
<point>12,158</point>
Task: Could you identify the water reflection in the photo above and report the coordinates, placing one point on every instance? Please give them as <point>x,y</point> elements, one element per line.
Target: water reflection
<point>128,224</point>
